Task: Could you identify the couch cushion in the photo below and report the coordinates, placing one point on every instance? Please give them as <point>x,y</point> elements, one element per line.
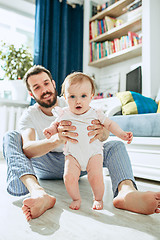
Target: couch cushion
<point>142,125</point>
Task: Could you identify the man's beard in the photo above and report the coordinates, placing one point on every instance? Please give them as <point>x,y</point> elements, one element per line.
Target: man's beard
<point>50,103</point>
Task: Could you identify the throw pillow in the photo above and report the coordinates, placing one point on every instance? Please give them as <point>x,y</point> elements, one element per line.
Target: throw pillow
<point>135,103</point>
<point>158,110</point>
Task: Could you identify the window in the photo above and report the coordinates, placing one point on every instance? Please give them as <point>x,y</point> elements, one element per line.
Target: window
<point>16,28</point>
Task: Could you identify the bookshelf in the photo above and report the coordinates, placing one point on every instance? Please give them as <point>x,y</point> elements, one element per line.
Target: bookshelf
<point>133,25</point>
<point>115,10</point>
<point>123,55</point>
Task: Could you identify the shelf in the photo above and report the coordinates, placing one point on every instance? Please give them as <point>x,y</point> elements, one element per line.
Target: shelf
<point>10,102</point>
<point>133,25</point>
<point>123,55</point>
<point>115,10</point>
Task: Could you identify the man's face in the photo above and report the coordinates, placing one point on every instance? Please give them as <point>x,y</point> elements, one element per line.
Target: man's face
<point>43,89</point>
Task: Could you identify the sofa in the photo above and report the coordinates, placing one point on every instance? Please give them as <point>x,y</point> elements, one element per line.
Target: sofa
<point>144,151</point>
<point>136,113</point>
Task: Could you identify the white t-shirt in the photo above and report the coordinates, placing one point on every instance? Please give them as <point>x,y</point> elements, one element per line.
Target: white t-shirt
<point>34,118</point>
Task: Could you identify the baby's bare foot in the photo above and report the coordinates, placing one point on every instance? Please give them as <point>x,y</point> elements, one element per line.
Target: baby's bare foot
<point>97,205</point>
<point>35,206</point>
<point>75,205</point>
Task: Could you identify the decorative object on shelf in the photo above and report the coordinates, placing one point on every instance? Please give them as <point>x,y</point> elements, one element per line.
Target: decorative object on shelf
<point>15,62</point>
<point>99,8</point>
<point>136,4</point>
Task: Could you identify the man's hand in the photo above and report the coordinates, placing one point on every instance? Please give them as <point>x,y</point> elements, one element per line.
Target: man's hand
<point>98,131</point>
<point>66,131</point>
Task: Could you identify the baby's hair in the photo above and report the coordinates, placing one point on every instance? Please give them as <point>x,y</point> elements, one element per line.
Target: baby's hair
<point>77,77</point>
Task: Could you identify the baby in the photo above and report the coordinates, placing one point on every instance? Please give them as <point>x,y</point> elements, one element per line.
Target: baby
<point>78,90</point>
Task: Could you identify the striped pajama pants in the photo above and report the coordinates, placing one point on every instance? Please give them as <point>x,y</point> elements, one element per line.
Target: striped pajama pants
<point>51,165</point>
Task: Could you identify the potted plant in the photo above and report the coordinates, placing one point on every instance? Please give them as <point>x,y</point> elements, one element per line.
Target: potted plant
<point>15,62</point>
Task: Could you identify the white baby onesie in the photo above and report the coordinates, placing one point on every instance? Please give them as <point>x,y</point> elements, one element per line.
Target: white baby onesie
<point>83,150</point>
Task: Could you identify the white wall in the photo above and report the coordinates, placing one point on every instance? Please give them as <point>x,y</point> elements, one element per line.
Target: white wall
<point>86,68</point>
<point>122,68</point>
<point>151,47</point>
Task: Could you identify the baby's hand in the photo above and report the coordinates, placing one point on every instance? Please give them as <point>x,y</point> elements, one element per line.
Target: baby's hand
<point>47,133</point>
<point>128,136</point>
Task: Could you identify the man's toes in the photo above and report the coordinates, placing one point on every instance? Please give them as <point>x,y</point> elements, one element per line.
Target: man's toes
<point>157,210</point>
<point>24,208</point>
<point>28,218</point>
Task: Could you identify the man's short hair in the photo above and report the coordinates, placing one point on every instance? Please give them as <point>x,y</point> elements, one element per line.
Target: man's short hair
<point>36,69</point>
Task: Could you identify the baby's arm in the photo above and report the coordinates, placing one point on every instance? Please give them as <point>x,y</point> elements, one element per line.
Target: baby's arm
<point>48,132</point>
<point>114,128</point>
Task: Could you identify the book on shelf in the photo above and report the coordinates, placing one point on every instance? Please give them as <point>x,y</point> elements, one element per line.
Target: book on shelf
<point>133,38</point>
<point>94,9</point>
<point>98,27</point>
<point>90,32</point>
<point>99,50</point>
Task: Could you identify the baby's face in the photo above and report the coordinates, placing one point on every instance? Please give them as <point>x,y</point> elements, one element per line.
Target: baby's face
<point>79,96</point>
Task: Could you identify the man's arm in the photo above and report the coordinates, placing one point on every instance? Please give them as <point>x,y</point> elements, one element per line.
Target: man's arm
<point>35,148</point>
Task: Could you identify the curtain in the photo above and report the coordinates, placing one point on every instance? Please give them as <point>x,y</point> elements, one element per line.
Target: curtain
<point>58,42</point>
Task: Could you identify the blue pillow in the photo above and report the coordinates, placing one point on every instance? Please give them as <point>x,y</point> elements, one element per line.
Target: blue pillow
<point>144,104</point>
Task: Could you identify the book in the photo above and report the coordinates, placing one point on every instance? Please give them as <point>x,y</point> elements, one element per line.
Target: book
<point>133,38</point>
<point>110,22</point>
<point>90,31</point>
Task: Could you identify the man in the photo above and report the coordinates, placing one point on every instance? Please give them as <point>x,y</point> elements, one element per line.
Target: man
<point>29,155</point>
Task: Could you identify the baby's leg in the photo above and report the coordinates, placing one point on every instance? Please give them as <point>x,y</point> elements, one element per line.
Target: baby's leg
<point>72,172</point>
<point>95,178</point>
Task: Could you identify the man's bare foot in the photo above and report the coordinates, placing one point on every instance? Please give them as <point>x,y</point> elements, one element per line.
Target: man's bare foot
<point>139,202</point>
<point>97,205</point>
<point>36,205</point>
<point>75,205</point>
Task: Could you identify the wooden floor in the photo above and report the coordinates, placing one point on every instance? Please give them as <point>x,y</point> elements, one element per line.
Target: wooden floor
<point>61,223</point>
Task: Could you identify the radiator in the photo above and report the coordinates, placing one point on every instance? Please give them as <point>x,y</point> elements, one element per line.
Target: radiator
<point>9,117</point>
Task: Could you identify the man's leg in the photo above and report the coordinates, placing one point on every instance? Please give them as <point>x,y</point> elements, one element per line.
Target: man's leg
<point>21,177</point>
<point>125,192</point>
<point>39,201</point>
